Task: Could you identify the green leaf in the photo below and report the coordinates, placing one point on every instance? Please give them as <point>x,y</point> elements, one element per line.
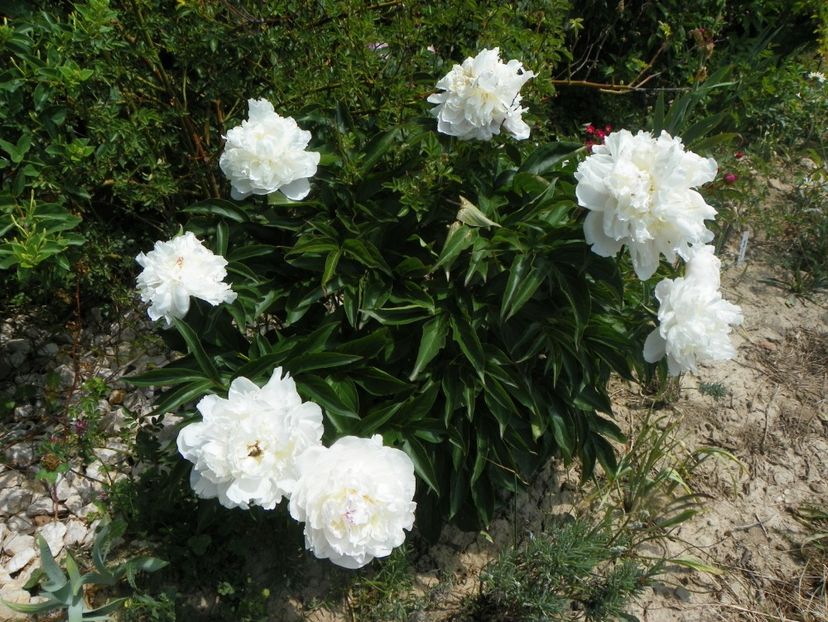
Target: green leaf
<point>171,400</point>
<point>331,263</point>
<point>47,562</point>
<point>319,360</point>
<point>218,207</point>
<point>378,382</point>
<point>432,341</point>
<point>165,376</point>
<point>423,462</point>
<point>103,612</point>
<point>466,337</point>
<point>315,389</point>
<point>459,239</point>
<point>375,149</point>
<point>222,238</point>
<point>547,156</point>
<point>197,350</point>
<point>522,284</point>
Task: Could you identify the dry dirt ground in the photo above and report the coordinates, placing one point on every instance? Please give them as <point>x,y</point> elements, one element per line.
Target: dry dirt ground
<point>773,417</point>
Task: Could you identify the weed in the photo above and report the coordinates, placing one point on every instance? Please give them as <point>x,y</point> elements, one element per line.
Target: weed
<point>716,390</point>
<point>571,572</point>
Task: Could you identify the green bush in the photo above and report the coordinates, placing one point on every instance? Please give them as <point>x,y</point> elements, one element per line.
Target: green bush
<point>478,333</point>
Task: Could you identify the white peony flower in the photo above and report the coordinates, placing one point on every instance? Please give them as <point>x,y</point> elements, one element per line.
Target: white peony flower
<point>694,321</point>
<point>245,449</point>
<point>639,191</point>
<point>818,76</point>
<point>355,499</point>
<point>480,96</point>
<point>174,271</point>
<point>267,153</point>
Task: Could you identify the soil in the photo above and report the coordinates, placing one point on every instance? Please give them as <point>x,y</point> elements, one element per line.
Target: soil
<point>769,412</point>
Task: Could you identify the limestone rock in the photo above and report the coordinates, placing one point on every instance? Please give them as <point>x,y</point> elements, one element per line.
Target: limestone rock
<point>53,533</point>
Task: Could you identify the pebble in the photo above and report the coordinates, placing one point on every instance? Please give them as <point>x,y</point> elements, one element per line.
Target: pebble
<point>75,532</point>
<point>10,479</point>
<point>66,375</point>
<point>53,533</point>
<point>14,500</point>
<point>20,454</point>
<point>17,543</point>
<point>50,349</point>
<point>20,524</point>
<point>40,506</point>
<point>64,488</point>
<point>20,560</point>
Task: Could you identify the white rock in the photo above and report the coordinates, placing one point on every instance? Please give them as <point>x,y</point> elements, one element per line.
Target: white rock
<point>10,479</point>
<point>74,504</point>
<point>14,500</point>
<point>66,375</point>
<point>20,560</point>
<point>53,533</point>
<point>21,413</point>
<point>20,454</point>
<point>75,532</point>
<point>40,506</point>
<point>20,524</point>
<point>18,542</point>
<point>13,595</point>
<point>65,488</point>
<point>109,457</point>
<point>96,471</point>
<point>86,510</point>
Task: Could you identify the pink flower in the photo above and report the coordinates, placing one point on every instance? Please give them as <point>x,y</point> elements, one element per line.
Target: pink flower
<point>730,178</point>
<point>739,155</point>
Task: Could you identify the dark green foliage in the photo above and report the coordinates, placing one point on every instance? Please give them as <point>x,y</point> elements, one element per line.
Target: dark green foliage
<point>462,317</point>
<point>573,571</point>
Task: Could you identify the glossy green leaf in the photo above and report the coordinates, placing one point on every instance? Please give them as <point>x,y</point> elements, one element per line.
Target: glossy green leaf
<point>433,340</point>
<point>195,347</point>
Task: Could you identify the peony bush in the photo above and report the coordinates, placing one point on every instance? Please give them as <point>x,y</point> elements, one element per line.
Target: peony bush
<point>414,321</point>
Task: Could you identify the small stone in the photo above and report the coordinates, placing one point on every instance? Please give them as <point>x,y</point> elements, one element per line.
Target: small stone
<point>20,524</point>
<point>10,479</point>
<point>64,488</point>
<point>86,510</point>
<point>50,349</point>
<point>20,560</point>
<point>682,594</point>
<point>20,454</point>
<point>23,413</point>
<point>40,506</point>
<point>53,533</point>
<point>808,163</point>
<point>74,504</point>
<point>66,375</point>
<point>18,542</point>
<point>75,532</point>
<point>817,486</point>
<point>14,500</point>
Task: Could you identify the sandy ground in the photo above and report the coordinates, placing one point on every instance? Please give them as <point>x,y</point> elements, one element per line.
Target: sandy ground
<point>773,418</point>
